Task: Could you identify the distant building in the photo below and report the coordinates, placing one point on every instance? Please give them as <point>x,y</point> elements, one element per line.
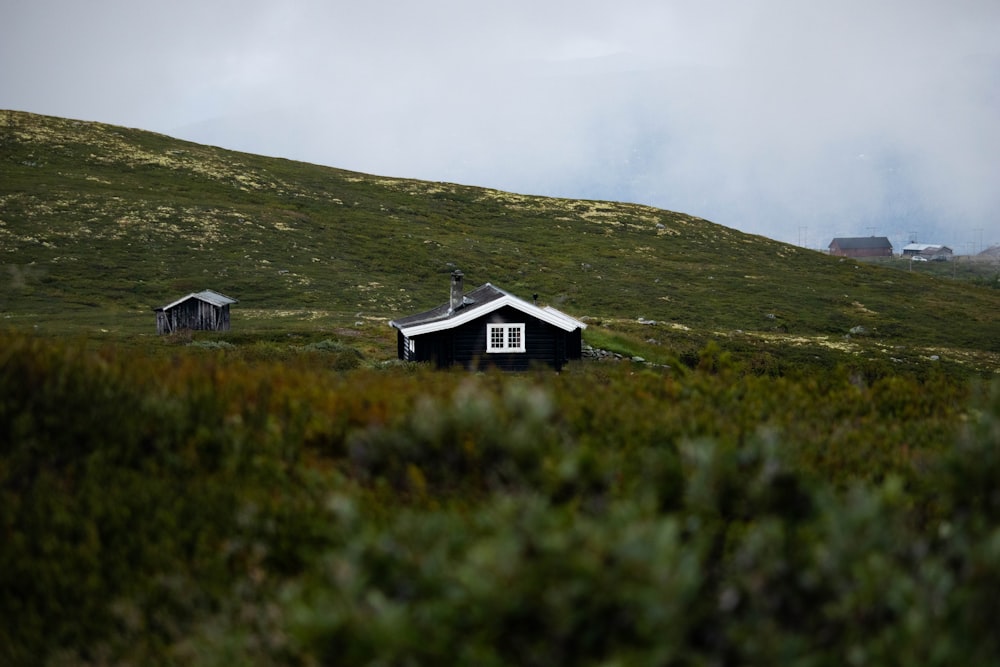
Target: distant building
<point>489,327</point>
<point>993,252</point>
<point>200,311</point>
<point>863,246</point>
<point>928,251</point>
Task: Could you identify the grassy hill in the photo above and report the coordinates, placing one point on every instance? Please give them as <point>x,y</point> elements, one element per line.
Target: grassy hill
<point>99,224</point>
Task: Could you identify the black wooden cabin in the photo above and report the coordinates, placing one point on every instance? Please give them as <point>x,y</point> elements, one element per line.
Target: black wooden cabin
<point>489,327</point>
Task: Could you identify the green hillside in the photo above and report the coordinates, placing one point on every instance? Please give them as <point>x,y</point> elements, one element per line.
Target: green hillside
<point>99,224</point>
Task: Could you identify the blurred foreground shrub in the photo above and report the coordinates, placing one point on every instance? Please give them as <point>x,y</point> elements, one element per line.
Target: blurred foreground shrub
<point>201,509</point>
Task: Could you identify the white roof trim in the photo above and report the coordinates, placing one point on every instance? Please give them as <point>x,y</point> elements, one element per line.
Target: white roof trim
<point>548,315</point>
<point>924,247</point>
<point>574,323</point>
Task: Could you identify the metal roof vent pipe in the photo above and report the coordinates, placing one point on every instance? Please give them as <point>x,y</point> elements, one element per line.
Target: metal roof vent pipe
<point>456,290</point>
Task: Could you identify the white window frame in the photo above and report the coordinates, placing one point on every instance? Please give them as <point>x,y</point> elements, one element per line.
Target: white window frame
<point>505,329</point>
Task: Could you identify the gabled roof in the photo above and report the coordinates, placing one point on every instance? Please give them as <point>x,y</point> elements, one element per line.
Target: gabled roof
<point>208,296</point>
<point>925,247</point>
<point>480,301</point>
<point>858,242</point>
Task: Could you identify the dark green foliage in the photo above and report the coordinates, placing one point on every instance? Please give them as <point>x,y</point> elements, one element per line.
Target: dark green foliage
<point>119,497</point>
<point>202,508</point>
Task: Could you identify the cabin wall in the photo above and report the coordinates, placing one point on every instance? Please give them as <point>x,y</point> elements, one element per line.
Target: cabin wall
<point>466,344</point>
<point>402,349</point>
<point>193,314</point>
<point>162,323</point>
<point>837,251</point>
<point>419,350</point>
<point>437,347</point>
<point>574,344</point>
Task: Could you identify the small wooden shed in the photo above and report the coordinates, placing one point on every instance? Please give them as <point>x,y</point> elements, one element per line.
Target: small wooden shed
<point>489,327</point>
<point>198,311</point>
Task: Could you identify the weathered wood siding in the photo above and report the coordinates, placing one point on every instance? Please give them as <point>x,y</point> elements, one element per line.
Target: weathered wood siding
<point>466,344</point>
<point>861,252</point>
<point>193,314</point>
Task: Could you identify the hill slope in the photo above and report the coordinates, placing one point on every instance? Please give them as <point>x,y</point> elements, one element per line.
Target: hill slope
<point>102,223</point>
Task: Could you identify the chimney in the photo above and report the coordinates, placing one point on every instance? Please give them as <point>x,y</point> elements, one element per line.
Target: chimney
<point>456,291</point>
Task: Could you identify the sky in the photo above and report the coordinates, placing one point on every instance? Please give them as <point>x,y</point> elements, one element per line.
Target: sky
<point>799,121</point>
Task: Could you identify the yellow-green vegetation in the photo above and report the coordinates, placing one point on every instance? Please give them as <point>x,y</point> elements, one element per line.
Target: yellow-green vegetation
<point>203,505</point>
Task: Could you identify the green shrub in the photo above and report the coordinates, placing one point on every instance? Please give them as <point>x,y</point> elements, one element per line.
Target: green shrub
<point>205,508</point>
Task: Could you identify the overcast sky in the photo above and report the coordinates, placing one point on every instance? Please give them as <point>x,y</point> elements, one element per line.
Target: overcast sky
<point>797,120</point>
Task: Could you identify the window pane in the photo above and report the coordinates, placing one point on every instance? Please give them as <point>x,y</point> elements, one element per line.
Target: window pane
<point>514,337</point>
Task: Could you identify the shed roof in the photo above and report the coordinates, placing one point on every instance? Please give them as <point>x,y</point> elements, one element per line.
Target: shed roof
<point>208,296</point>
<point>858,242</point>
<point>476,303</point>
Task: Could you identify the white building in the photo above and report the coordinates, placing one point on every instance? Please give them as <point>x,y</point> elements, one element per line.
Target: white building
<point>928,251</point>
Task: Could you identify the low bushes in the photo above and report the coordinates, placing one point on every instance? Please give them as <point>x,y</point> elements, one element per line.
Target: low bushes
<point>205,508</point>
